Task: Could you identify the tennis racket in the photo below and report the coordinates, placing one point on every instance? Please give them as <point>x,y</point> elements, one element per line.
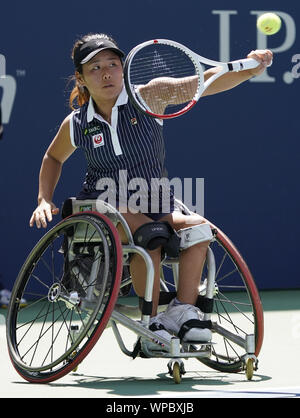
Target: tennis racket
<point>165,79</point>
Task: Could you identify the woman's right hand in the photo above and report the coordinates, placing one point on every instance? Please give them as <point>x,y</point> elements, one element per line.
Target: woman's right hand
<point>43,213</point>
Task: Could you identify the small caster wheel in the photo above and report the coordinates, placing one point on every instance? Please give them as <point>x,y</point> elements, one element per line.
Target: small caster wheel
<point>249,367</point>
<point>176,373</point>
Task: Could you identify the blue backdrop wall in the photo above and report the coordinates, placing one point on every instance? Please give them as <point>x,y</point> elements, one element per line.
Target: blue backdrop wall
<point>244,143</point>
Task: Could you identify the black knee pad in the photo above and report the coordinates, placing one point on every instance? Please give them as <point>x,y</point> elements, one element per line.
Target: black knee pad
<point>153,235</point>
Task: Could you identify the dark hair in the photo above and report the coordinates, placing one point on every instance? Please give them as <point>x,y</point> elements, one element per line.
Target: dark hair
<point>80,95</point>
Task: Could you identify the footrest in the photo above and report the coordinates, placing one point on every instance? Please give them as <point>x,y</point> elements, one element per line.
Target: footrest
<point>197,343</point>
<point>196,346</point>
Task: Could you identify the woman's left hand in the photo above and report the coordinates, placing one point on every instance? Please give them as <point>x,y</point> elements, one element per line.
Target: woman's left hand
<point>264,57</point>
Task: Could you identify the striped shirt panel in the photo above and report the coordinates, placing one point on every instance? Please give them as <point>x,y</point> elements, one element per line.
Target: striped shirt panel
<point>140,140</point>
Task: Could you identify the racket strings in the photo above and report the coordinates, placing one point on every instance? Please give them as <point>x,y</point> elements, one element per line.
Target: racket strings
<point>163,79</point>
<point>153,65</point>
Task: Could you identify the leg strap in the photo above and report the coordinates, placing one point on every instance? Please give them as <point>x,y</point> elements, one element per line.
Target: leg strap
<point>205,304</point>
<point>193,323</point>
<point>194,235</point>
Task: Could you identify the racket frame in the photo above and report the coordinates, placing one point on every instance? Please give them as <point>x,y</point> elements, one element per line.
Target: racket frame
<point>232,66</point>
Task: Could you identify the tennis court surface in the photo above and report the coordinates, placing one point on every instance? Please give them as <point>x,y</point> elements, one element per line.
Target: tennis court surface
<point>108,373</point>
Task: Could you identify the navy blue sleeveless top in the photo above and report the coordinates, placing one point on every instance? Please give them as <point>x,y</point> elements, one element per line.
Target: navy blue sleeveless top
<point>130,148</point>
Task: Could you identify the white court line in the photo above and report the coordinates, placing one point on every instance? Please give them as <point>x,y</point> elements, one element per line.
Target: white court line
<point>273,392</point>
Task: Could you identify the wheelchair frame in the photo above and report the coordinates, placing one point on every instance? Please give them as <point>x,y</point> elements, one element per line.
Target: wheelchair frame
<point>176,350</point>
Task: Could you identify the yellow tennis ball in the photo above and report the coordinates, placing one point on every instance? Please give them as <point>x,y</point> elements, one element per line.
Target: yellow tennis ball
<point>269,23</point>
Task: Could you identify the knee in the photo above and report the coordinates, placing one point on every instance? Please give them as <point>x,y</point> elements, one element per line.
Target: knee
<point>186,221</point>
<point>195,219</point>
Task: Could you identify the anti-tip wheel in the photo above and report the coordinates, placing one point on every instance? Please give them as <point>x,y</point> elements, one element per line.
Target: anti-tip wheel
<point>249,368</point>
<point>176,373</point>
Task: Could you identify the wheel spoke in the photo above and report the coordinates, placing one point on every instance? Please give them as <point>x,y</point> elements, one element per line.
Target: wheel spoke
<point>235,314</point>
<point>59,324</point>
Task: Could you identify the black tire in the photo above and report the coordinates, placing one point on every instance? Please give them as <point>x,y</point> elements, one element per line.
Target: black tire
<point>67,310</point>
<point>237,307</point>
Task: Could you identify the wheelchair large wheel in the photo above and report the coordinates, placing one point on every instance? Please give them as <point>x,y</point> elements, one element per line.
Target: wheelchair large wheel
<point>238,310</point>
<point>71,280</point>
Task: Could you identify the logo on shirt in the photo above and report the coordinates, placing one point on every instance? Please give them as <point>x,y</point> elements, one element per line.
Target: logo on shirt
<point>92,130</point>
<point>98,140</point>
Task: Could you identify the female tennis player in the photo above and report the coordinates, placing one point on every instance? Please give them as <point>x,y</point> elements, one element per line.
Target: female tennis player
<point>116,137</point>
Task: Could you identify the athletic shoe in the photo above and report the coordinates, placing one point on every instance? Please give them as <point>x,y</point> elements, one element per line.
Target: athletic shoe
<point>157,327</point>
<point>176,315</point>
<point>5,298</point>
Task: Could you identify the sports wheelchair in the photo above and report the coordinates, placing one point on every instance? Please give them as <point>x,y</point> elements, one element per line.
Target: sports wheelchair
<point>74,279</point>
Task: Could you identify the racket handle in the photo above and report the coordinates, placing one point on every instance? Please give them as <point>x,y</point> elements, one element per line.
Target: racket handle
<point>246,64</point>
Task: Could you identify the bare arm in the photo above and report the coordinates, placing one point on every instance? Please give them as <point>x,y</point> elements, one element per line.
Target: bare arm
<point>49,175</point>
<point>163,91</point>
<point>226,81</point>
<point>58,152</point>
<point>233,79</point>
